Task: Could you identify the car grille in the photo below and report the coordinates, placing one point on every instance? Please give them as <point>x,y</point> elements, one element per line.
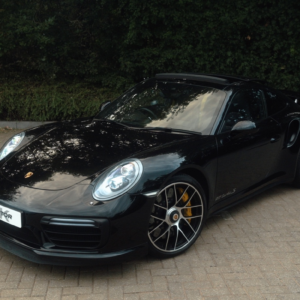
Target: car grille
<point>71,233</point>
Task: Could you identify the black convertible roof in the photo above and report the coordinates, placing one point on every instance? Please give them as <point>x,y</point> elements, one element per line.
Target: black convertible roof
<point>212,78</point>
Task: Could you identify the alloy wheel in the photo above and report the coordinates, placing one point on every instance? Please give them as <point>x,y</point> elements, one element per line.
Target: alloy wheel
<point>176,217</point>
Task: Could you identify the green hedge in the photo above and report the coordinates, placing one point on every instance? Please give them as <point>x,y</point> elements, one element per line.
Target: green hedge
<point>46,102</point>
<point>114,43</point>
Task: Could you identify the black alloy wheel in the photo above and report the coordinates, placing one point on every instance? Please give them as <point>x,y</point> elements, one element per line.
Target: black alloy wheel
<point>177,217</point>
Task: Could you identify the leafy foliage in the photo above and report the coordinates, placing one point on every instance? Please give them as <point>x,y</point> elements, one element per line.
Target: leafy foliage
<point>46,102</point>
<point>115,43</point>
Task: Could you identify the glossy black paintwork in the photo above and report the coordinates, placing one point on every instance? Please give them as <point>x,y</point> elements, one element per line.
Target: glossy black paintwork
<point>246,157</point>
<point>70,152</point>
<point>170,152</point>
<point>67,157</point>
<point>76,202</point>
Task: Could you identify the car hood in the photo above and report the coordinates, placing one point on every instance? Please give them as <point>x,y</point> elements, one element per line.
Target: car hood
<point>71,152</point>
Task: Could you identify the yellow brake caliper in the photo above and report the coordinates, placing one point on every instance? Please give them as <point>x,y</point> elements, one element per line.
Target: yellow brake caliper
<point>185,197</point>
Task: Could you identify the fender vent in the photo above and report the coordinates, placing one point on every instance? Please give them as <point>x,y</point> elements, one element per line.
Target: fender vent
<point>72,233</point>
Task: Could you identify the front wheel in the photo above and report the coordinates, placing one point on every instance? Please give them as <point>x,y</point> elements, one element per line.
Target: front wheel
<point>177,217</point>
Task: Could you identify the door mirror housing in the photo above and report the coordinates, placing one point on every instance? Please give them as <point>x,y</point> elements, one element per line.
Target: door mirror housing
<point>243,125</point>
<point>104,104</point>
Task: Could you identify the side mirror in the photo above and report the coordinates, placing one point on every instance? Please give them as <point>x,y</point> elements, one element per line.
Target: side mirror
<point>104,104</point>
<point>243,125</point>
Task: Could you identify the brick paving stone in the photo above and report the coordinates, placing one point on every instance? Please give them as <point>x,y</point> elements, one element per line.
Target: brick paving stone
<point>176,290</point>
<point>15,274</point>
<point>191,285</point>
<point>193,294</point>
<point>149,265</point>
<point>26,285</point>
<point>62,283</point>
<point>180,278</point>
<point>216,281</point>
<point>29,298</point>
<point>144,277</point>
<point>115,292</point>
<point>214,292</point>
<point>138,288</point>
<point>164,272</point>
<point>100,285</point>
<point>155,296</point>
<point>53,294</point>
<point>40,288</point>
<point>160,284</point>
<point>2,277</point>
<point>9,285</point>
<point>236,297</point>
<point>71,297</point>
<point>251,251</point>
<point>85,279</point>
<point>131,297</point>
<point>122,281</point>
<point>76,290</point>
<point>169,263</point>
<point>15,293</point>
<point>93,297</point>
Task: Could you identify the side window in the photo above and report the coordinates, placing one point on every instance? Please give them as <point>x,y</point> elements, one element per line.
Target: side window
<point>275,102</point>
<point>245,105</point>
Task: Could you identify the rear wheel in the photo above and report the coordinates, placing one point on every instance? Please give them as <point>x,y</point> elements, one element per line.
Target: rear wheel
<point>177,217</point>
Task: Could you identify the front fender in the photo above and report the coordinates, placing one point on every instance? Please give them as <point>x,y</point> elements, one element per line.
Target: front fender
<point>197,157</point>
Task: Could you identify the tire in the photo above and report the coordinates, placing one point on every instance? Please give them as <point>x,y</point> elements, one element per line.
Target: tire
<point>177,217</point>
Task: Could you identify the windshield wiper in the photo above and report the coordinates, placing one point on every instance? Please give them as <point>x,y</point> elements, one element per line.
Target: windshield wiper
<point>167,129</point>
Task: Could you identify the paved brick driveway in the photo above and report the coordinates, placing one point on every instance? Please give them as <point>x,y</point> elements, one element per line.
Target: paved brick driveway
<point>252,251</point>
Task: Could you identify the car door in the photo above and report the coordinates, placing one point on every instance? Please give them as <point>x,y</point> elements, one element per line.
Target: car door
<point>245,157</point>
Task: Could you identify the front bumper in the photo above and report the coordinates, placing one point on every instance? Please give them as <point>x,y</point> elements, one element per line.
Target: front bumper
<point>67,258</point>
<point>101,233</point>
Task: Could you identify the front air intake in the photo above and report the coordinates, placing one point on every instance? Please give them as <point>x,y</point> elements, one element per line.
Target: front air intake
<point>73,233</point>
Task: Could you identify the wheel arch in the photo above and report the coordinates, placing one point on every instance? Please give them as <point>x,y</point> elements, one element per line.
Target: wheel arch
<point>199,177</point>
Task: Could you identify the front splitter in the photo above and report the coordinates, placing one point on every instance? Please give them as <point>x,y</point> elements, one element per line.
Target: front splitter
<point>66,258</point>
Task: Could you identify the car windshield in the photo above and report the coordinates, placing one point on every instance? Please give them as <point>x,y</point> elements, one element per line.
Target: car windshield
<point>164,104</point>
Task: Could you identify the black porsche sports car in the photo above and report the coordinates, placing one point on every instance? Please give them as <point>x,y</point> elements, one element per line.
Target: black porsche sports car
<point>144,174</point>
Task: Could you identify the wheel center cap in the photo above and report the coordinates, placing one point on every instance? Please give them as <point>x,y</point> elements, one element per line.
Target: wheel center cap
<point>174,216</point>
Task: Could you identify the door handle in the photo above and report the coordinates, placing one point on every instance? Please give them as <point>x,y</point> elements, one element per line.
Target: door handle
<point>273,140</point>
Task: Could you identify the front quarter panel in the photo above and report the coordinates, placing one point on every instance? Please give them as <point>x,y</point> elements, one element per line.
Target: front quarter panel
<point>196,156</point>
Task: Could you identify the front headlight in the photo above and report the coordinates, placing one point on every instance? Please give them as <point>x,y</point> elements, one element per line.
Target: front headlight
<point>12,144</point>
<point>118,180</point>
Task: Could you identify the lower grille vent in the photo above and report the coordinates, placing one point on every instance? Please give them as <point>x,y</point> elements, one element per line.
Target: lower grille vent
<point>72,233</point>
